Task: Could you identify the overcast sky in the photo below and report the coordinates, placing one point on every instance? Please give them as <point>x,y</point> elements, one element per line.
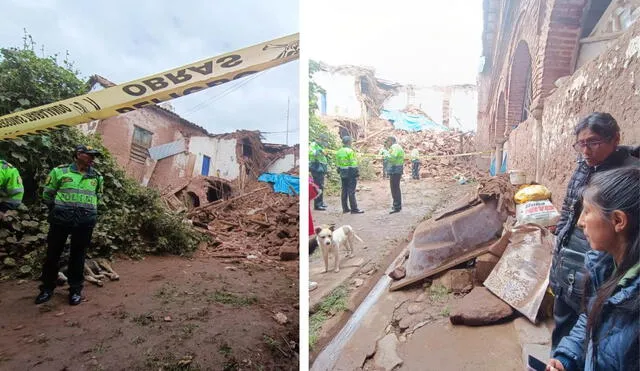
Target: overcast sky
<point>127,40</point>
<point>421,42</point>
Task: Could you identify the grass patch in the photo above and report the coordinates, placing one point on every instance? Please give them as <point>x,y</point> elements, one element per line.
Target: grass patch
<point>100,348</point>
<point>332,304</point>
<point>188,329</point>
<point>224,297</point>
<point>445,312</point>
<point>169,362</point>
<point>138,340</point>
<point>143,319</point>
<point>438,293</point>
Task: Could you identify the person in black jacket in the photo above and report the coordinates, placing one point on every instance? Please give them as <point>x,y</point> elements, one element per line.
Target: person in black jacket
<point>598,138</point>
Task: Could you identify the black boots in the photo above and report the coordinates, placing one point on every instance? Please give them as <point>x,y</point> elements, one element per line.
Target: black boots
<point>75,297</point>
<point>44,296</point>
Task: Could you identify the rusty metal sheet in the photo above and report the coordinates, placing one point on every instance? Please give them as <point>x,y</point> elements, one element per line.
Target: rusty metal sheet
<point>436,242</point>
<point>521,276</point>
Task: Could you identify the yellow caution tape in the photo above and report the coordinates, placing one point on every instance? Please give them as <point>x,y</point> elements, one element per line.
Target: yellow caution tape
<point>426,157</point>
<point>152,89</point>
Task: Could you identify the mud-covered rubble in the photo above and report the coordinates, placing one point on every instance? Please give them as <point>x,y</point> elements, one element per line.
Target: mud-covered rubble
<point>446,147</point>
<point>258,224</point>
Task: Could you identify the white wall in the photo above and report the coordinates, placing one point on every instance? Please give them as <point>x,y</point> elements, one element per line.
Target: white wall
<point>341,94</point>
<point>283,165</point>
<point>463,104</point>
<point>222,153</point>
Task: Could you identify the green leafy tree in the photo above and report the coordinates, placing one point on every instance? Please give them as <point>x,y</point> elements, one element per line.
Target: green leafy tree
<point>132,219</point>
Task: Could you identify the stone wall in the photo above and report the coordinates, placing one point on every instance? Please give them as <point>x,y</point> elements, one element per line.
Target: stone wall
<point>609,83</point>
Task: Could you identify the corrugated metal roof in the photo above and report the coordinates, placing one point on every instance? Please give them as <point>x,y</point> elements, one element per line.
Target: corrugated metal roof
<point>167,149</point>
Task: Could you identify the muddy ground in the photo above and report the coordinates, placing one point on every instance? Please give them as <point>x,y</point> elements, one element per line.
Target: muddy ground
<point>165,313</point>
<point>384,237</point>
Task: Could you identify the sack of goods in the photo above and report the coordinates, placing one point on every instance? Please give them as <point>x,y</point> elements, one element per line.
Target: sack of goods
<point>534,192</point>
<point>539,212</point>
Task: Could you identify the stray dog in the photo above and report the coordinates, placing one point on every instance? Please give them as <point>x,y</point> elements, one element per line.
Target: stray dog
<point>331,239</point>
<point>95,270</point>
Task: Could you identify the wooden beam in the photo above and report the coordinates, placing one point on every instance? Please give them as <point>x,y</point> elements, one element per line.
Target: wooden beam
<point>446,265</point>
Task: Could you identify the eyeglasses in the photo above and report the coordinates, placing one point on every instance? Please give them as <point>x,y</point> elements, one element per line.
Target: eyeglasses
<point>578,146</point>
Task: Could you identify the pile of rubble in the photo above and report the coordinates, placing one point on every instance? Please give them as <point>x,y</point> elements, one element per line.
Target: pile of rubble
<point>501,265</point>
<point>257,224</point>
<point>447,145</point>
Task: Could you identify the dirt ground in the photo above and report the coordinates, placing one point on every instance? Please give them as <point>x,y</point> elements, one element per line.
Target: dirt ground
<point>166,313</point>
<point>384,235</point>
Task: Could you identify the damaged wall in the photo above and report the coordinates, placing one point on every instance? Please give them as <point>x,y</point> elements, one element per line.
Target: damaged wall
<point>117,134</point>
<point>610,83</point>
<point>463,103</point>
<point>340,95</point>
<point>283,165</point>
<point>222,155</point>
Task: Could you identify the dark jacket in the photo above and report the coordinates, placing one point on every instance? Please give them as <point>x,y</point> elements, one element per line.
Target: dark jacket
<point>567,276</point>
<point>618,333</point>
<point>572,205</point>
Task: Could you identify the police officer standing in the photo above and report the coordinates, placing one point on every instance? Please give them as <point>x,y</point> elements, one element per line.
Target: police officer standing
<point>415,164</point>
<point>396,167</point>
<point>318,168</point>
<point>11,188</point>
<point>385,162</point>
<point>348,168</point>
<point>72,193</point>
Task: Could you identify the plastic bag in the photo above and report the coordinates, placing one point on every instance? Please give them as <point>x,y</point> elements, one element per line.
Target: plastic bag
<point>535,192</point>
<point>538,212</point>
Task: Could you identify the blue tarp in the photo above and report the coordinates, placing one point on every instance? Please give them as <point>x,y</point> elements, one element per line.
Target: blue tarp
<point>282,183</point>
<point>405,121</point>
<point>503,168</point>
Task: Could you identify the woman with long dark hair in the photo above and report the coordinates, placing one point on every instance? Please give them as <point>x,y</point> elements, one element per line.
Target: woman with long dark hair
<point>607,332</point>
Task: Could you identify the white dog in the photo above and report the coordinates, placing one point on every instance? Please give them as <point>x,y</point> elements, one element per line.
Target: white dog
<point>331,240</point>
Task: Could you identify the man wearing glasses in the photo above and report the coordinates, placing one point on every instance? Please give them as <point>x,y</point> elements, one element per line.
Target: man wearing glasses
<point>598,136</point>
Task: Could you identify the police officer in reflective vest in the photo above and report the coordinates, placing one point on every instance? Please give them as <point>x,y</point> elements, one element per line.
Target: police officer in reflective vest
<point>348,168</point>
<point>385,162</point>
<point>318,168</point>
<point>11,188</point>
<point>396,167</point>
<point>72,193</point>
<point>415,164</point>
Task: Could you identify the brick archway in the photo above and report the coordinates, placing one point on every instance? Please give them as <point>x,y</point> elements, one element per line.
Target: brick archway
<point>562,42</point>
<point>500,122</point>
<point>519,85</point>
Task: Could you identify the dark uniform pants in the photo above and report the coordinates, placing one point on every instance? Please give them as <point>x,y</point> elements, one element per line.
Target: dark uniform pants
<point>318,179</point>
<point>394,182</point>
<point>415,169</point>
<point>80,239</point>
<point>349,193</point>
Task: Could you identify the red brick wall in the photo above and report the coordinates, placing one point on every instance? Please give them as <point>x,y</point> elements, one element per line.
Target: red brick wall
<point>117,134</point>
<point>517,82</point>
<point>550,29</point>
<point>607,84</point>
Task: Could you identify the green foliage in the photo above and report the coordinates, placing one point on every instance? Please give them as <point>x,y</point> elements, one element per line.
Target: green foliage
<point>365,166</point>
<point>330,306</point>
<point>27,80</point>
<point>317,128</point>
<point>131,220</point>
